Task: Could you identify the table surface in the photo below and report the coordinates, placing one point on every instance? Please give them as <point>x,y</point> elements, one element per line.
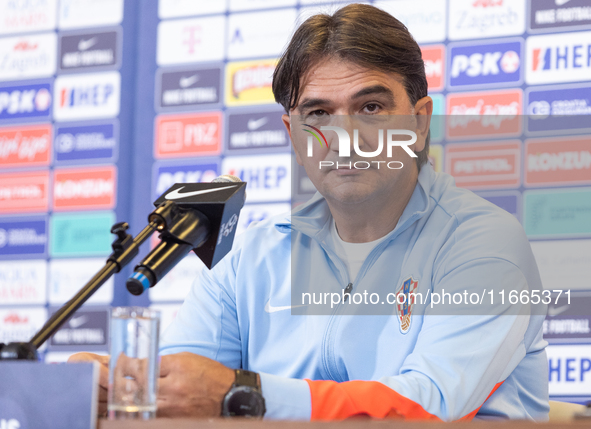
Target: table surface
<point>349,424</point>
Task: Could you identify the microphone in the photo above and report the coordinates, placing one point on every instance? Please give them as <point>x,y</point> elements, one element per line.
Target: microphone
<point>191,216</point>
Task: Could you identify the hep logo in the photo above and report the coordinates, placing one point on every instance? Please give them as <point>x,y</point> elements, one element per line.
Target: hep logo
<point>345,146</point>
<point>227,228</point>
<point>261,177</point>
<point>92,95</point>
<point>565,57</point>
<point>541,59</point>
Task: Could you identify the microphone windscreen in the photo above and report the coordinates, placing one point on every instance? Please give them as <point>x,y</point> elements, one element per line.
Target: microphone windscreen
<point>225,179</point>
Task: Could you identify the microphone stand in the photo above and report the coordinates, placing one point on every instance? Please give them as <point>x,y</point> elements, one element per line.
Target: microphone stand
<point>125,248</point>
<point>179,222</point>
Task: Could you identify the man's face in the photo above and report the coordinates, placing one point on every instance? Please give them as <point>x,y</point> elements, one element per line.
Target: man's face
<point>340,93</point>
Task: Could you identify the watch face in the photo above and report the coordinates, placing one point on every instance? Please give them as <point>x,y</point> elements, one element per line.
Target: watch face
<point>244,401</point>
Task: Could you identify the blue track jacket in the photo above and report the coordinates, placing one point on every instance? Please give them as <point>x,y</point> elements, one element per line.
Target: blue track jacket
<point>414,360</point>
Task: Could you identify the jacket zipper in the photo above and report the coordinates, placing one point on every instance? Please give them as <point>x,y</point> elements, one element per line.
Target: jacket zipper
<point>347,291</point>
<point>327,341</point>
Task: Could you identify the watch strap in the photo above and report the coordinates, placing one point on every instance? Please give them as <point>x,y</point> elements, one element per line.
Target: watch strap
<point>245,383</point>
<point>247,378</point>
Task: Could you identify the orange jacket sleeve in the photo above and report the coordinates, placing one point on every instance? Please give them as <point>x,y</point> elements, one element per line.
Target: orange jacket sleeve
<point>338,401</point>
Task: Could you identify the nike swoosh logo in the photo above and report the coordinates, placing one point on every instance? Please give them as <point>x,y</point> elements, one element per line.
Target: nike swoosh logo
<point>270,309</point>
<point>78,321</point>
<point>561,2</point>
<point>555,311</point>
<point>176,194</point>
<point>256,124</point>
<point>185,82</point>
<point>83,45</point>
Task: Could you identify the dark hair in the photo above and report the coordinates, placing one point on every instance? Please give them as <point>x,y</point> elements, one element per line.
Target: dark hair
<point>362,34</point>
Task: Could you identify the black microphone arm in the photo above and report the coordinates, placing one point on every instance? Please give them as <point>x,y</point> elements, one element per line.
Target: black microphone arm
<point>125,248</point>
<point>202,218</point>
<point>188,229</point>
<point>193,216</point>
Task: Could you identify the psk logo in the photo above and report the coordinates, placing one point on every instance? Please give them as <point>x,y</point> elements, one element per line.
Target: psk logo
<point>405,300</point>
<point>510,62</point>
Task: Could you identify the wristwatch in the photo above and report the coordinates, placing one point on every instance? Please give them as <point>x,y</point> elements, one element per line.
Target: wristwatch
<point>245,397</point>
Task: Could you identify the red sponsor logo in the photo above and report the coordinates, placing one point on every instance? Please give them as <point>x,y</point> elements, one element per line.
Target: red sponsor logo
<point>557,161</point>
<point>15,318</point>
<point>538,60</point>
<point>194,35</point>
<point>25,146</point>
<point>84,188</point>
<point>487,3</point>
<point>434,66</point>
<point>484,114</point>
<point>24,192</point>
<point>25,45</point>
<point>484,165</point>
<point>194,134</point>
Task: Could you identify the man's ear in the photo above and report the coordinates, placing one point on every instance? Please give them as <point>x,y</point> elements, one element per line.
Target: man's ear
<point>287,122</point>
<point>423,111</point>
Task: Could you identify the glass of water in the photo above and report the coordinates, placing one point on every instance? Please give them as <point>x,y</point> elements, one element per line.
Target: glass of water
<point>134,366</point>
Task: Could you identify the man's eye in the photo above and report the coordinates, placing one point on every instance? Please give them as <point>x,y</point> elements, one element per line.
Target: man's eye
<point>371,108</point>
<point>317,113</point>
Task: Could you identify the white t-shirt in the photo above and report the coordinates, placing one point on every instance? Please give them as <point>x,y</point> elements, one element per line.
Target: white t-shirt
<point>352,254</point>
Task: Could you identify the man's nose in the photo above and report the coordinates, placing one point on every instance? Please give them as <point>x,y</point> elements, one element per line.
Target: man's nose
<point>341,140</point>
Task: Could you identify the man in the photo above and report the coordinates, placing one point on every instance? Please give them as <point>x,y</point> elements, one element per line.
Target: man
<point>387,231</point>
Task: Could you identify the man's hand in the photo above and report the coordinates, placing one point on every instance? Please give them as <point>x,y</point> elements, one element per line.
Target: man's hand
<point>189,384</point>
<point>192,386</point>
<point>103,376</point>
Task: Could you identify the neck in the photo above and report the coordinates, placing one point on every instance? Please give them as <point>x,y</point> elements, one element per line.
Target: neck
<point>373,218</point>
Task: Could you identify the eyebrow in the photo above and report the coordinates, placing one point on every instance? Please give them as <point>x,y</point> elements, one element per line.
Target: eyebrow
<point>375,90</point>
<point>312,102</point>
<point>370,90</point>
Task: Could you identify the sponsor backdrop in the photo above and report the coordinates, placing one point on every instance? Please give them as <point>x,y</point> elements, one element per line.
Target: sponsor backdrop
<point>105,104</point>
<point>67,94</point>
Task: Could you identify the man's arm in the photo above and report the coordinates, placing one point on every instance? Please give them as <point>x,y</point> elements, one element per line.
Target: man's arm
<point>207,325</point>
